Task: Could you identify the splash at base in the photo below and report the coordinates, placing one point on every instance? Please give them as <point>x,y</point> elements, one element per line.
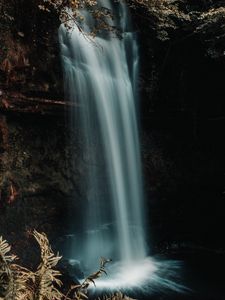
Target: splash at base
<point>144,277</point>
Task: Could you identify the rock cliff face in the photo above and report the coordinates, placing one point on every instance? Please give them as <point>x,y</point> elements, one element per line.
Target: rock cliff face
<point>29,60</point>
<point>182,119</point>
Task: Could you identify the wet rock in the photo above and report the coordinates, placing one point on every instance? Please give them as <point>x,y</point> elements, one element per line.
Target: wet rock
<point>72,268</point>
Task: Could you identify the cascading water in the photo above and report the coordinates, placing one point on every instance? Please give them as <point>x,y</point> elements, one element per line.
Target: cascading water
<point>101,74</point>
<point>102,77</point>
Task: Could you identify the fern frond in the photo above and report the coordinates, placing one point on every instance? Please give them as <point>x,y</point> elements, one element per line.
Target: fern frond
<point>46,277</point>
<point>5,248</point>
<point>79,292</point>
<point>13,278</point>
<point>116,296</point>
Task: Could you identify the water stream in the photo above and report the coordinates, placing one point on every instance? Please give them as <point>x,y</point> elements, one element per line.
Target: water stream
<point>101,75</point>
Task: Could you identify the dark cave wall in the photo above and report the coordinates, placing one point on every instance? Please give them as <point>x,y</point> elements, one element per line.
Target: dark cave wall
<point>37,177</point>
<point>184,180</point>
<point>183,121</point>
<point>29,50</point>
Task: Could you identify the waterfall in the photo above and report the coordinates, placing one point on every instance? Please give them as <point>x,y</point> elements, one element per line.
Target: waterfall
<point>101,75</point>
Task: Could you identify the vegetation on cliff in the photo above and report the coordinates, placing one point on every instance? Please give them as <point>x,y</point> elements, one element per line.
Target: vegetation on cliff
<point>29,52</point>
<point>180,19</point>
